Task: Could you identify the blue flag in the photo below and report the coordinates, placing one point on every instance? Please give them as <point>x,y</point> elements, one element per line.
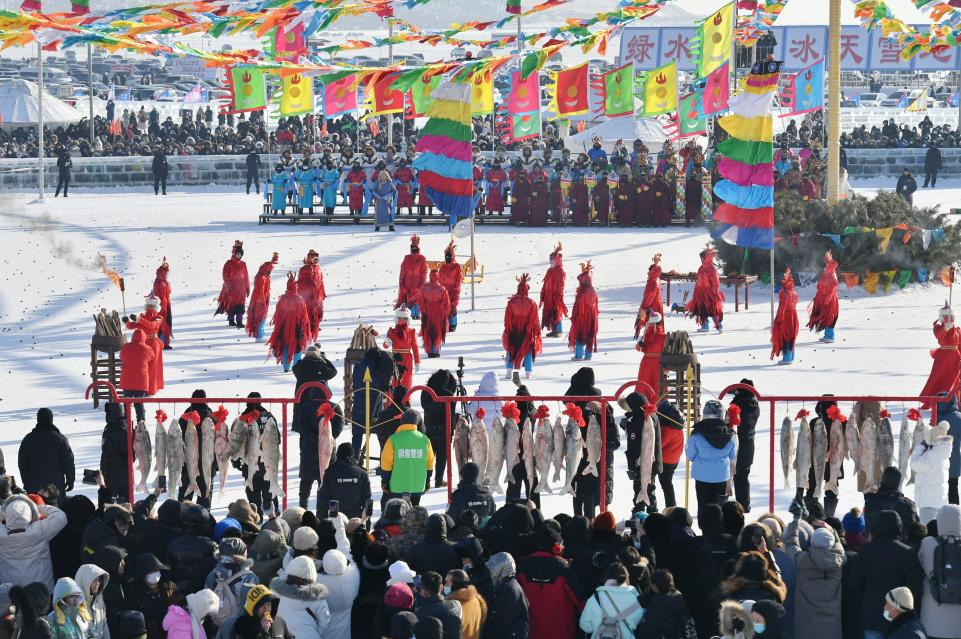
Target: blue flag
<point>807,87</point>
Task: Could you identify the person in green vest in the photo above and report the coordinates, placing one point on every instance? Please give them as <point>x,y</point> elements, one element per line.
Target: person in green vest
<point>407,460</point>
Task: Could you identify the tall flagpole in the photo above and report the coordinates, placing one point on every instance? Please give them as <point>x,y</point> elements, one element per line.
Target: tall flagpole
<point>390,63</point>
<point>834,102</point>
<point>90,90</point>
<point>40,149</point>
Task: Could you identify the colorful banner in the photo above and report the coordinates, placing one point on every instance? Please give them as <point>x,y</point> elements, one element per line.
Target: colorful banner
<point>290,43</point>
<point>525,126</point>
<point>482,94</point>
<point>570,91</point>
<point>690,120</point>
<point>384,99</point>
<point>247,89</point>
<point>340,97</point>
<point>79,7</point>
<point>660,90</point>
<point>525,95</point>
<point>297,95</point>
<point>717,90</point>
<point>420,94</point>
<point>619,91</point>
<point>920,104</point>
<point>715,35</point>
<point>513,7</point>
<point>805,91</point>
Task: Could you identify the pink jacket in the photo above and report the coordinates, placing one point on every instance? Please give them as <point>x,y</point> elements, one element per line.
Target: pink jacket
<point>177,623</point>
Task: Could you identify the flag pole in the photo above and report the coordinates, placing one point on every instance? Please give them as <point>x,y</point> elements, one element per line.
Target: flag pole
<point>390,63</point>
<point>90,89</point>
<point>40,150</point>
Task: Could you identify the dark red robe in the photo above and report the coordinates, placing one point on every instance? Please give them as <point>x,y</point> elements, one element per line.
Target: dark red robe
<point>580,204</point>
<point>497,182</point>
<point>662,202</point>
<point>356,182</point>
<point>823,310</point>
<point>435,313</point>
<point>649,370</point>
<point>404,181</point>
<point>522,335</point>
<point>946,368</point>
<point>236,287</point>
<point>707,300</point>
<point>785,328</point>
<point>624,202</point>
<point>291,325</point>
<point>585,316</point>
<point>644,204</point>
<point>601,201</point>
<point>310,284</point>
<point>451,277</point>
<point>521,199</point>
<point>552,297</point>
<point>413,276</point>
<point>260,298</point>
<point>540,198</point>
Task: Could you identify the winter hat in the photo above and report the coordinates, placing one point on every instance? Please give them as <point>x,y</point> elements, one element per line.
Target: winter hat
<point>19,512</point>
<point>400,573</point>
<point>294,517</point>
<point>549,539</point>
<point>901,598</point>
<point>353,524</point>
<point>853,522</point>
<point>428,628</point>
<point>302,567</point>
<point>890,479</point>
<point>410,416</point>
<point>243,512</point>
<point>402,625</point>
<point>773,525</point>
<point>335,563</point>
<point>130,624</point>
<point>345,451</point>
<point>202,603</point>
<point>469,472</point>
<point>44,417</point>
<point>312,352</point>
<point>399,596</point>
<point>822,538</point>
<point>752,566</point>
<point>235,548</point>
<point>376,557</point>
<point>224,525</point>
<point>605,522</point>
<point>305,538</point>
<point>713,408</point>
<point>396,509</point>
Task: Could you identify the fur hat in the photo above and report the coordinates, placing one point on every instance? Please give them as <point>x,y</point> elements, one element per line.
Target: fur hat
<point>294,517</point>
<point>243,512</point>
<point>305,538</point>
<point>713,408</point>
<point>402,313</point>
<point>302,567</point>
<point>901,598</point>
<point>735,621</point>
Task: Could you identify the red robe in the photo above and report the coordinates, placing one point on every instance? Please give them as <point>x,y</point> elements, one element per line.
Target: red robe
<point>662,202</point>
<point>435,313</point>
<point>291,325</point>
<point>259,299</point>
<point>497,180</point>
<point>310,285</point>
<point>946,368</point>
<point>823,310</point>
<point>644,204</point>
<point>413,275</point>
<point>150,322</point>
<point>404,181</point>
<point>403,340</point>
<point>236,287</point>
<point>557,203</point>
<point>552,297</point>
<point>422,198</point>
<point>161,289</point>
<point>540,199</point>
<point>522,336</point>
<point>808,190</point>
<point>707,300</point>
<point>624,196</point>
<point>651,302</point>
<point>693,192</point>
<point>477,174</point>
<point>785,328</point>
<point>580,204</point>
<point>521,200</point>
<point>451,277</point>
<point>356,181</point>
<point>601,202</point>
<point>585,315</point>
<point>650,368</point>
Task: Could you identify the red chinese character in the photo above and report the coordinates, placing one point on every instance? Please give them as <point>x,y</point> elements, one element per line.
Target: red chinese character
<point>804,50</point>
<point>678,48</point>
<point>942,55</point>
<point>890,50</point>
<point>849,44</point>
<point>639,48</point>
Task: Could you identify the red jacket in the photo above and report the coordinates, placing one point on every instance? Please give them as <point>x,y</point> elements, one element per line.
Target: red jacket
<point>413,276</point>
<point>553,593</point>
<point>137,357</point>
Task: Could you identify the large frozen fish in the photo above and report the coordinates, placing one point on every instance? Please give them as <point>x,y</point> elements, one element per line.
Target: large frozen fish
<point>645,461</point>
<point>868,454</point>
<point>836,452</point>
<point>237,441</point>
<point>325,446</point>
<point>252,459</point>
<point>918,435</point>
<point>802,462</point>
<point>787,449</point>
<point>160,446</point>
<point>221,449</point>
<point>479,443</point>
<point>495,455</point>
<point>885,443</point>
<point>270,454</point>
<point>461,442</point>
<point>819,455</point>
<point>573,450</point>
<point>512,440</point>
<point>543,454</point>
<point>175,456</point>
<point>207,453</point>
<point>558,444</point>
<point>852,437</point>
<point>593,446</point>
<point>142,453</point>
<point>904,447</point>
<point>192,446</point>
<point>527,444</point>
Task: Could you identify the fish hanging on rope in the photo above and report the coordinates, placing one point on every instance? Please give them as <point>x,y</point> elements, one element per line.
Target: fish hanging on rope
<point>142,453</point>
<point>192,448</point>
<point>252,458</point>
<point>176,455</point>
<point>868,455</point>
<point>802,461</point>
<point>479,443</point>
<point>904,447</point>
<point>461,442</point>
<point>496,454</point>
<point>325,438</point>
<point>885,441</point>
<point>573,445</point>
<point>270,454</point>
<point>593,442</point>
<point>207,453</point>
<point>527,450</point>
<point>160,447</point>
<point>221,445</point>
<point>543,449</point>
<point>836,448</point>
<point>852,442</point>
<point>819,455</point>
<point>237,441</point>
<point>558,446</point>
<point>512,438</point>
<point>787,448</point>
<point>918,435</point>
<point>645,461</point>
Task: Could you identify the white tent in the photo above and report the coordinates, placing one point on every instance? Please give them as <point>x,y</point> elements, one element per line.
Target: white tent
<point>20,106</point>
<point>624,128</point>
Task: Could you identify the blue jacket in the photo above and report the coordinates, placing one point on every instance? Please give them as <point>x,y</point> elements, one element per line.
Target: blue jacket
<point>948,412</point>
<point>624,598</point>
<point>709,464</point>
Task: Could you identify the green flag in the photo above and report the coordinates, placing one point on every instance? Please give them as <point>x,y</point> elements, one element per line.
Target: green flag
<point>618,91</point>
<point>690,120</point>
<point>525,126</point>
<point>247,89</point>
<point>420,93</point>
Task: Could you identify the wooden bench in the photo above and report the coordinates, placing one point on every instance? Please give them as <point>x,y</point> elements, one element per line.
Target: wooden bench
<point>478,275</point>
<point>729,280</point>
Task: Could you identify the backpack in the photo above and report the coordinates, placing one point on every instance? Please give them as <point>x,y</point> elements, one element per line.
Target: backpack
<point>946,576</point>
<point>610,627</point>
<point>228,600</point>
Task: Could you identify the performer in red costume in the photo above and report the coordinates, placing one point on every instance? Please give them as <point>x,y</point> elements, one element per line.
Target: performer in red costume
<point>356,189</point>
<point>291,325</point>
<point>584,316</point>
<point>451,277</point>
<point>161,290</point>
<point>402,340</point>
<point>435,305</point>
<point>823,310</point>
<point>651,343</point>
<point>150,322</point>
<point>651,302</point>
<point>552,294</point>
<point>260,300</point>
<point>707,301</point>
<point>413,275</point>
<point>496,184</point>
<point>405,182</point>
<point>310,285</point>
<point>784,330</point>
<point>946,368</point>
<point>236,288</point>
<point>522,336</point>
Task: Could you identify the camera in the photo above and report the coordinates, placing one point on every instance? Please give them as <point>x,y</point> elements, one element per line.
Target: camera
<point>460,368</point>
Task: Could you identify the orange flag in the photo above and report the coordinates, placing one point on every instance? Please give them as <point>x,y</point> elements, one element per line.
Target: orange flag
<point>851,279</point>
<point>386,100</point>
<point>947,275</point>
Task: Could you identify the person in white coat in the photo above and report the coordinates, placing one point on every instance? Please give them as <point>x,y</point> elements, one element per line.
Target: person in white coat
<point>616,599</point>
<point>940,620</point>
<point>342,579</point>
<point>25,541</point>
<point>492,407</point>
<point>303,602</point>
<point>92,580</point>
<point>929,461</point>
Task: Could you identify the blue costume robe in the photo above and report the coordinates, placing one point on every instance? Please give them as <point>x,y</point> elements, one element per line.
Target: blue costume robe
<point>305,188</point>
<point>278,191</point>
<point>384,195</point>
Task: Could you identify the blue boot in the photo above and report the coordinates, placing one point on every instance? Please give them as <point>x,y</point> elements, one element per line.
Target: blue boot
<point>704,328</point>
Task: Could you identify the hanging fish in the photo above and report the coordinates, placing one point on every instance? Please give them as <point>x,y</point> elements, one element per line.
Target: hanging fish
<point>527,452</point>
<point>802,461</point>
<point>142,453</point>
<point>904,447</point>
<point>645,460</point>
<point>479,443</point>
<point>192,447</point>
<point>207,453</point>
<point>885,441</point>
<point>558,447</point>
<point>819,455</point>
<point>593,442</point>
<point>237,442</point>
<point>496,455</point>
<point>787,448</point>
<point>543,450</point>
<point>252,458</point>
<point>461,442</point>
<point>573,448</point>
<point>221,445</point>
<point>918,435</point>
<point>176,455</point>
<point>270,454</point>
<point>160,447</point>
<point>836,453</point>
<point>325,438</point>
<point>512,437</point>
<point>852,441</point>
<point>868,455</point>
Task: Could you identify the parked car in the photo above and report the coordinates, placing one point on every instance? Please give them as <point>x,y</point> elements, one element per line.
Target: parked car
<point>896,99</point>
<point>870,99</point>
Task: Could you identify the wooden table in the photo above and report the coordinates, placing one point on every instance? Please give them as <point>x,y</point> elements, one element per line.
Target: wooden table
<point>737,280</point>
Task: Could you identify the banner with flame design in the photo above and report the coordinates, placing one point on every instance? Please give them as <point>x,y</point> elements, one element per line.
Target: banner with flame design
<point>297,95</point>
<point>619,91</point>
<point>247,89</point>
<point>805,92</point>
<point>660,89</point>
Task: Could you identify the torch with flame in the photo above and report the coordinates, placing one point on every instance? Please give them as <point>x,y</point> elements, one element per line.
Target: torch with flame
<point>114,277</point>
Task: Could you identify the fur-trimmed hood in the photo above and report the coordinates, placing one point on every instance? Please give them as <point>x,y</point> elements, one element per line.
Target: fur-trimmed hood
<point>309,592</point>
<point>731,611</point>
<point>736,584</point>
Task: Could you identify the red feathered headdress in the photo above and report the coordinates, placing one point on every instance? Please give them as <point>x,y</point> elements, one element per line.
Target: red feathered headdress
<point>251,417</point>
<point>291,282</point>
<point>573,411</point>
<point>414,243</point>
<point>274,258</point>
<point>450,249</point>
<point>511,411</point>
<point>311,254</point>
<point>161,416</point>
<point>788,280</point>
<point>557,255</point>
<point>802,413</point>
<point>192,416</point>
<point>238,247</point>
<point>220,415</point>
<point>164,267</point>
<point>834,413</point>
<point>522,284</point>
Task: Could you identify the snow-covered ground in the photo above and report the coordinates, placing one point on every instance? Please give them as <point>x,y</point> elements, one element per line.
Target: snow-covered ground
<point>52,287</point>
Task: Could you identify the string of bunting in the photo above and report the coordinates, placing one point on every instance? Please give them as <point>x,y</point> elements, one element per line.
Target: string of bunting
<point>872,280</point>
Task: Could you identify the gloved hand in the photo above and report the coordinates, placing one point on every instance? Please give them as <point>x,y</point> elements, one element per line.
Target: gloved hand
<point>416,367</point>
<point>68,488</point>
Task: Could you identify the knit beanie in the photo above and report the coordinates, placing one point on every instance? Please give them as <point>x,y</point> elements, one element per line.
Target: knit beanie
<point>399,597</point>
<point>901,598</point>
<point>305,538</point>
<point>605,522</point>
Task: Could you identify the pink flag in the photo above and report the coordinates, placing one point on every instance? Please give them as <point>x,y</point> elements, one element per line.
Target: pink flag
<point>290,41</point>
<point>717,90</point>
<point>340,97</point>
<point>525,94</point>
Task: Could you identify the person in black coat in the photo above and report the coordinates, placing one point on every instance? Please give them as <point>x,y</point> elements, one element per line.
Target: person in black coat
<point>711,552</point>
<point>433,604</point>
<point>520,470</point>
<point>193,555</point>
<point>883,563</point>
<point>633,425</point>
<point>511,529</point>
<point>155,535</point>
<point>65,553</point>
<point>906,186</point>
<point>159,169</point>
<point>382,369</point>
<point>253,170</point>
<point>153,600</point>
<point>750,412</point>
<point>587,487</point>
<point>508,610</point>
<point>665,613</point>
<point>111,530</point>
<point>313,367</point>
<point>203,409</point>
<point>579,553</point>
<point>889,497</point>
<point>469,494</point>
<point>472,553</point>
<point>373,585</point>
<point>434,552</point>
<point>348,483</point>
<point>443,384</point>
<point>932,164</point>
<point>64,165</point>
<point>307,423</point>
<point>45,457</point>
<point>111,559</point>
<point>113,453</point>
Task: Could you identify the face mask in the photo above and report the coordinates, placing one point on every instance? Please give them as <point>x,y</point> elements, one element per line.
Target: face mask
<point>758,628</point>
<point>446,590</point>
<point>886,615</point>
<point>152,578</point>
